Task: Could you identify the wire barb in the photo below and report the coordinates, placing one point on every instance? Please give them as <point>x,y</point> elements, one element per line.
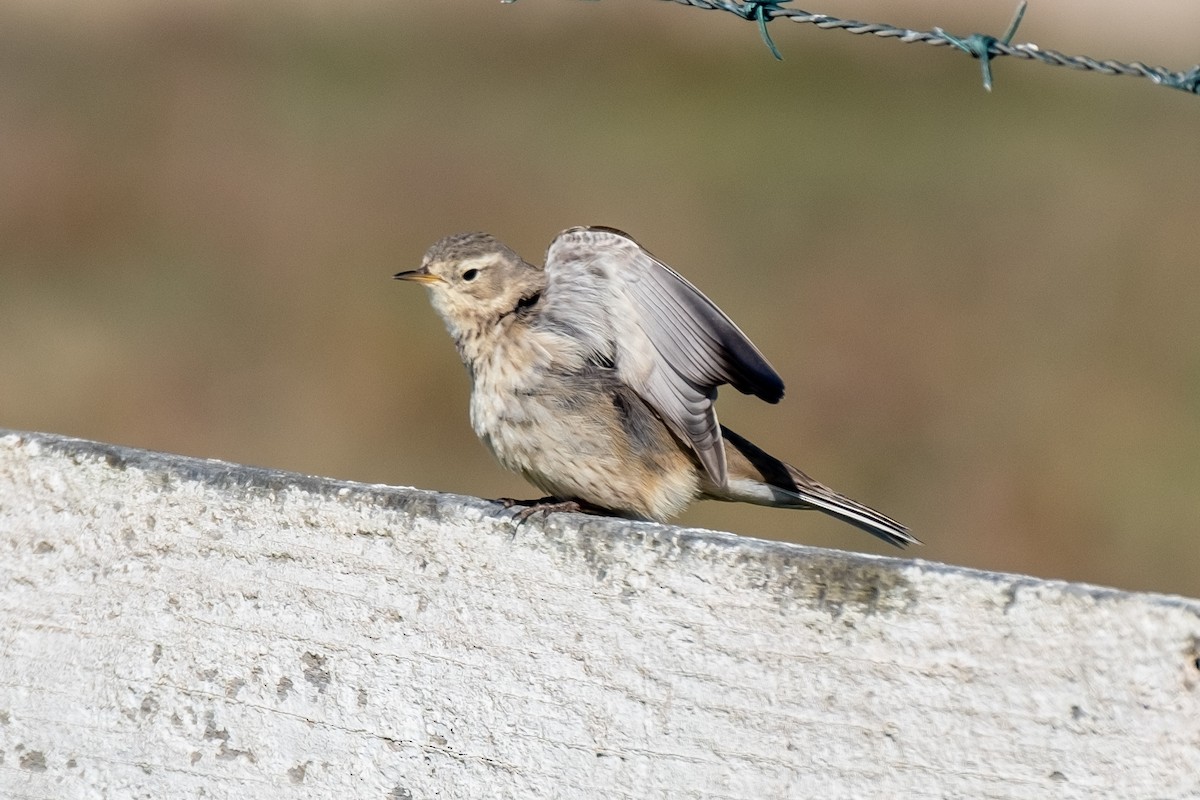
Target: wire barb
<point>762,12</point>
<point>1187,81</point>
<point>977,45</point>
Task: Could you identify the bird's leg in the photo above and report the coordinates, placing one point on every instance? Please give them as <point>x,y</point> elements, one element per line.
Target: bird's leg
<point>546,505</point>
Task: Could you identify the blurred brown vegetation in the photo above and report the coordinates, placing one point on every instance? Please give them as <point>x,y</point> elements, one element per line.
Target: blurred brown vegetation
<point>986,307</point>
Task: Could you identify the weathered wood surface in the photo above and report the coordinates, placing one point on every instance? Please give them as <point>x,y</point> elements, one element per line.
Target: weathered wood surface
<point>172,627</point>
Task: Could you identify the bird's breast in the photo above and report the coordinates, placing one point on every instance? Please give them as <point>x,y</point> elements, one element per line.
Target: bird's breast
<point>512,380</point>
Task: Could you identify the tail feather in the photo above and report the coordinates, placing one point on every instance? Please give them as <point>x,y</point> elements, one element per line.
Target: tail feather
<point>821,497</point>
<point>758,477</point>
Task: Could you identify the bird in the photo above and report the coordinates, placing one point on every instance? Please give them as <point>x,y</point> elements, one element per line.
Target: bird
<point>595,377</point>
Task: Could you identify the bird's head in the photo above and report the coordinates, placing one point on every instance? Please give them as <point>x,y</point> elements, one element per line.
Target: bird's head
<point>474,280</point>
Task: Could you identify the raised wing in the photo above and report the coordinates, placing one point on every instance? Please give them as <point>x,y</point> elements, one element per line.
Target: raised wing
<point>668,342</point>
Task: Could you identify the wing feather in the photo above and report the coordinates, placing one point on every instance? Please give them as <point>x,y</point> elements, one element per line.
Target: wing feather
<point>669,342</point>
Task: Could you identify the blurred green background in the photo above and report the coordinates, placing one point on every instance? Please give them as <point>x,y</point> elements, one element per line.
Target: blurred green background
<point>986,307</point>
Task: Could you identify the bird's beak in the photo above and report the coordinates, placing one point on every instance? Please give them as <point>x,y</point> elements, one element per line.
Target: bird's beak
<point>422,275</point>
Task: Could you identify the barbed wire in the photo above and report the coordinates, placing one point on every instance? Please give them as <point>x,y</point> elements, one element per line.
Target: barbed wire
<point>978,45</point>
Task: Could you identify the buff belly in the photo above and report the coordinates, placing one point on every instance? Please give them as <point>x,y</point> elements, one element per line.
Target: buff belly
<point>596,442</point>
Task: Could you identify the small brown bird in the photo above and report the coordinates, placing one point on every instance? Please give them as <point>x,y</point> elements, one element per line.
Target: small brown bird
<point>595,378</point>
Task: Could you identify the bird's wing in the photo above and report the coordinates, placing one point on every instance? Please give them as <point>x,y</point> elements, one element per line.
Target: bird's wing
<point>668,341</point>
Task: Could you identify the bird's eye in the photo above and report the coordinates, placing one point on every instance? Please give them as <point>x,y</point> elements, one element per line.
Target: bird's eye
<point>470,275</point>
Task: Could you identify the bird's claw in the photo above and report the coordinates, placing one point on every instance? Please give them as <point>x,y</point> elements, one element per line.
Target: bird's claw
<point>544,505</point>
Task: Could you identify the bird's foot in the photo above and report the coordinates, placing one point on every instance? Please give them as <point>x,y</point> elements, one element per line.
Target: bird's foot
<point>547,505</point>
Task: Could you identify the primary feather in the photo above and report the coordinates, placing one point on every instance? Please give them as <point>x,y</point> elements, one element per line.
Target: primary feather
<point>668,341</point>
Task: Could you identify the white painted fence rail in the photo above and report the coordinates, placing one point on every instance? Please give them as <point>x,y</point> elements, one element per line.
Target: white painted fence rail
<point>173,627</point>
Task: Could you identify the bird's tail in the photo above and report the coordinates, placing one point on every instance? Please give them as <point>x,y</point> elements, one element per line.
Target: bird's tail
<point>758,477</point>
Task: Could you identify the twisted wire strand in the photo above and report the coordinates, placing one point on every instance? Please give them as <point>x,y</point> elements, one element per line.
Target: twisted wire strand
<point>980,46</point>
